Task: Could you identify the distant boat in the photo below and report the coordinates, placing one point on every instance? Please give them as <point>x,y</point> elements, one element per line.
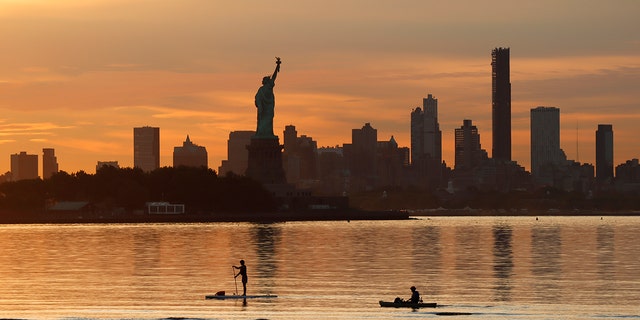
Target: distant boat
<point>407,304</point>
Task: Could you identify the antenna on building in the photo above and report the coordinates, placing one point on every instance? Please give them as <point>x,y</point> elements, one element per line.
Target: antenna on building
<point>577,144</point>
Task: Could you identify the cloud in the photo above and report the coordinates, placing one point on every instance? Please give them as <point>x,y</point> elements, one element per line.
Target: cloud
<point>94,146</point>
<point>33,128</point>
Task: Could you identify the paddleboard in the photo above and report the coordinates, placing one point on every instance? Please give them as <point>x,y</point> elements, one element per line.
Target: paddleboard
<point>224,297</point>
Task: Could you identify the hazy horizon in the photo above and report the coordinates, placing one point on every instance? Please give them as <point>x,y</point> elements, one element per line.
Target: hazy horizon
<point>79,75</point>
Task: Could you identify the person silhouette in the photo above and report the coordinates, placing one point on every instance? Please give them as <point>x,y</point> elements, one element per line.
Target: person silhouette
<point>243,272</point>
<point>415,295</point>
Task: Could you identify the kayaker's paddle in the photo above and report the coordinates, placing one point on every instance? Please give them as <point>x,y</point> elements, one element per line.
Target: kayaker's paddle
<point>234,280</point>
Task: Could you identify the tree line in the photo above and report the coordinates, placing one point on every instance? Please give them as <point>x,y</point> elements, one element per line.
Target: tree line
<point>201,190</point>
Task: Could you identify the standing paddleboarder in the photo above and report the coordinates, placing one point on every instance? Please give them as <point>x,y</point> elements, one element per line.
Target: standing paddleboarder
<point>243,272</point>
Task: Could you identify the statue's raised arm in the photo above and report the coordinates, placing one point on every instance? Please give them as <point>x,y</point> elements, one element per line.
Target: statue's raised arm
<point>275,73</point>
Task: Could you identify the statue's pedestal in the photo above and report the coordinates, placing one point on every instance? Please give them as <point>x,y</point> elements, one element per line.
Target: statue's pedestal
<point>265,160</point>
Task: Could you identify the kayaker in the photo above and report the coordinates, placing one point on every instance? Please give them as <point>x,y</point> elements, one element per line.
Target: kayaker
<point>243,272</point>
<point>415,295</point>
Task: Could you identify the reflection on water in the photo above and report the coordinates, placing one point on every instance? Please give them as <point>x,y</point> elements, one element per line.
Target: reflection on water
<point>146,254</point>
<point>266,241</point>
<point>502,261</point>
<point>605,249</point>
<point>472,260</point>
<point>427,242</point>
<point>526,269</point>
<point>427,253</point>
<point>546,256</point>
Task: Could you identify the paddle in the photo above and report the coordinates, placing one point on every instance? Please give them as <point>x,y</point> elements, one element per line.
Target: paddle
<point>234,280</point>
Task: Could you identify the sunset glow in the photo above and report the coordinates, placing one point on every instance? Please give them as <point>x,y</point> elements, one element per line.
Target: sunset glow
<point>78,75</point>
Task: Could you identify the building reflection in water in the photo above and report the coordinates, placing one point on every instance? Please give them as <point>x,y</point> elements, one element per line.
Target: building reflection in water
<point>605,242</point>
<point>546,262</point>
<point>502,261</point>
<point>266,238</point>
<point>427,251</point>
<point>470,263</point>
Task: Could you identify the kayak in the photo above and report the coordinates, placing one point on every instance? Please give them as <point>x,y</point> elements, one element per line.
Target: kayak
<point>407,304</point>
<point>235,296</point>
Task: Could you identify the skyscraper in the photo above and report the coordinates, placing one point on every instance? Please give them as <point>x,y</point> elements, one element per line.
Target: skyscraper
<point>426,143</point>
<point>237,153</point>
<point>364,146</point>
<point>190,155</point>
<point>426,137</point>
<point>604,153</point>
<point>290,136</point>
<point>146,148</point>
<point>417,136</point>
<point>501,104</point>
<point>545,139</point>
<point>468,151</point>
<point>360,157</point>
<point>101,164</point>
<point>300,156</point>
<point>49,163</point>
<point>24,166</point>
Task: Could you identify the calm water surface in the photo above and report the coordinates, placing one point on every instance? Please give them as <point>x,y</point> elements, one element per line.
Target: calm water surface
<point>490,267</point>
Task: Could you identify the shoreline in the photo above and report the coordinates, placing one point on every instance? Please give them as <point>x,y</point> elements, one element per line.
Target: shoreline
<point>266,217</point>
<point>518,213</point>
<point>274,217</point>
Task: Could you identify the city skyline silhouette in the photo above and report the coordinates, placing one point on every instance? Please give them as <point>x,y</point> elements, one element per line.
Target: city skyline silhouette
<point>78,78</point>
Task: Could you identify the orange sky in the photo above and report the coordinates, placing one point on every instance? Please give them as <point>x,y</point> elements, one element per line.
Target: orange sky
<point>78,75</point>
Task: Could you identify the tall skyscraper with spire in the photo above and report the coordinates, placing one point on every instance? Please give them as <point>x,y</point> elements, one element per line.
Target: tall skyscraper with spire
<point>501,104</point>
<point>190,155</point>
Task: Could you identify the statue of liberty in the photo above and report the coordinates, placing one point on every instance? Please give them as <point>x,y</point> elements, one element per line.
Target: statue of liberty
<point>266,103</point>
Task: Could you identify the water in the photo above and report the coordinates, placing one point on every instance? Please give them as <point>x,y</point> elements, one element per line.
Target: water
<point>490,267</point>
